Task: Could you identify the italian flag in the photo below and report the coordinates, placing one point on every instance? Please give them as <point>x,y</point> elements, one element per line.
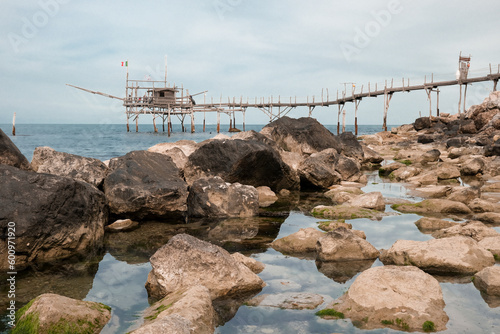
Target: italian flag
<point>125,63</point>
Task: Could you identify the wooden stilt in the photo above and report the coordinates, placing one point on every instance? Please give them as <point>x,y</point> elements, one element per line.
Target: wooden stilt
<point>192,122</point>
<point>437,102</point>
<point>356,126</point>
<point>128,127</point>
<point>465,96</point>
<point>204,115</point>
<point>163,124</point>
<point>230,123</point>
<point>343,121</point>
<point>154,124</point>
<point>243,114</point>
<point>460,100</point>
<point>137,123</point>
<point>429,92</point>
<point>356,104</point>
<point>218,121</point>
<point>169,124</point>
<point>495,85</point>
<point>14,125</point>
<point>387,99</point>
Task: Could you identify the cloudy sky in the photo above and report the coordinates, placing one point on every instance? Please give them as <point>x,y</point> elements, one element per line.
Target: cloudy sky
<point>238,48</point>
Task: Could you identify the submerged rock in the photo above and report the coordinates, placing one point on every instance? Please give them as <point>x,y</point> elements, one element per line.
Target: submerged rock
<point>447,256</point>
<point>212,197</point>
<point>266,196</point>
<point>50,161</point>
<point>397,297</point>
<point>189,311</point>
<point>345,212</point>
<point>288,300</point>
<point>10,154</point>
<point>51,313</point>
<point>342,271</point>
<point>144,184</point>
<point>186,261</point>
<point>247,162</point>
<point>54,217</point>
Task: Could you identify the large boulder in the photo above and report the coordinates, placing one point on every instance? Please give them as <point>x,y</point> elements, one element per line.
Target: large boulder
<point>433,191</point>
<point>447,172</point>
<point>53,217</point>
<point>304,135</point>
<point>48,160</point>
<point>473,229</point>
<point>144,184</point>
<point>447,256</point>
<point>245,161</point>
<point>370,156</point>
<point>473,166</point>
<point>398,297</point>
<point>434,205</point>
<point>351,146</point>
<point>343,245</point>
<point>186,261</point>
<point>491,244</point>
<point>51,313</point>
<point>318,170</point>
<point>252,264</point>
<point>10,154</point>
<point>212,197</point>
<point>301,242</point>
<point>189,311</point>
<point>422,123</point>
<point>427,224</point>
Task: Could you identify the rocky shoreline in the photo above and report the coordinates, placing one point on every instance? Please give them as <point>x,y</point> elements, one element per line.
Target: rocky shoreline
<point>64,204</point>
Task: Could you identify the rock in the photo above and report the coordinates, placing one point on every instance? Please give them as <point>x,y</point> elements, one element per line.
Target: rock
<point>422,123</point>
<point>488,217</point>
<point>389,293</point>
<point>177,156</point>
<point>292,159</point>
<point>491,187</point>
<point>212,197</point>
<point>344,212</point>
<point>247,162</point>
<point>266,196</point>
<point>488,280</point>
<point>424,178</point>
<point>371,156</point>
<point>433,224</point>
<point>51,313</point>
<point>343,245</point>
<point>186,261</point>
<point>430,156</point>
<point>189,311</point>
<point>304,135</point>
<point>467,126</point>
<point>48,160</point>
<point>433,206</point>
<point>144,184</point>
<point>328,226</point>
<point>493,149</point>
<point>388,169</point>
<point>301,242</point>
<point>339,188</point>
<point>491,244</point>
<point>343,271</point>
<point>455,142</point>
<point>253,135</point>
<point>340,197</point>
<point>473,229</point>
<point>433,191</point>
<point>318,170</point>
<point>10,154</point>
<point>55,217</point>
<point>472,166</point>
<point>252,264</point>
<point>480,205</point>
<point>373,200</point>
<point>349,169</point>
<point>350,146</point>
<point>462,194</point>
<point>426,138</point>
<point>447,171</point>
<point>186,146</point>
<point>447,256</point>
<point>404,173</point>
<point>122,225</point>
<point>288,300</point>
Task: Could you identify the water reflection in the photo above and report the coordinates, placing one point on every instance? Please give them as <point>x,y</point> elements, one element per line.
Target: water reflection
<point>343,271</point>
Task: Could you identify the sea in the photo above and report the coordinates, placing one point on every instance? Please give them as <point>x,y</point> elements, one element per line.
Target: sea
<point>106,141</point>
<point>116,277</point>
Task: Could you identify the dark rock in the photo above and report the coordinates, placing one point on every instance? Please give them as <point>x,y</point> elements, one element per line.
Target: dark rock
<point>10,154</point>
<point>348,168</point>
<point>430,156</point>
<point>455,142</point>
<point>468,126</point>
<point>244,161</point>
<point>422,123</point>
<point>318,170</point>
<point>351,146</point>
<point>212,197</point>
<point>48,160</point>
<point>425,139</point>
<point>484,118</point>
<point>304,135</point>
<point>493,149</point>
<point>371,156</point>
<point>254,135</point>
<point>55,217</point>
<point>144,184</point>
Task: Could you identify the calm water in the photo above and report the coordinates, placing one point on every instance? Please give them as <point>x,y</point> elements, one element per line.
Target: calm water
<point>117,276</point>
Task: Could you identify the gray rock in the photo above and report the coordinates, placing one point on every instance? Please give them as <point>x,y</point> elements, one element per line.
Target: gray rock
<point>318,170</point>
<point>212,197</point>
<point>343,245</point>
<point>422,123</point>
<point>50,161</point>
<point>186,261</point>
<point>373,200</point>
<point>288,300</point>
<point>144,184</point>
<point>371,156</point>
<point>55,217</point>
<point>10,154</point>
<point>430,156</point>
<point>447,256</point>
<point>351,147</point>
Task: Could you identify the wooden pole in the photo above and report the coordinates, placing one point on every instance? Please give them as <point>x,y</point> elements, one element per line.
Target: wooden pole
<point>154,123</point>
<point>465,95</point>
<point>437,102</point>
<point>14,125</point>
<point>243,121</point>
<point>460,100</point>
<point>356,104</point>
<point>128,117</point>
<point>192,122</point>
<point>218,121</point>
<point>204,116</point>
<point>136,123</point>
<point>169,128</point>
<point>343,120</point>
<point>163,123</point>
